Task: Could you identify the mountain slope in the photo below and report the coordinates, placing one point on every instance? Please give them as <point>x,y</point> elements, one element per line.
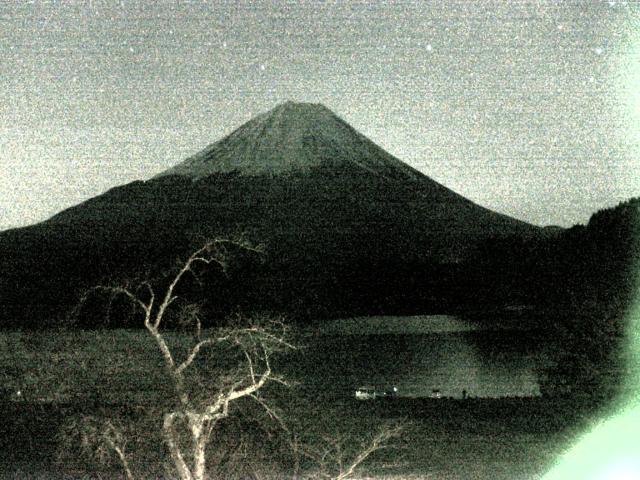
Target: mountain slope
<point>293,154</point>
<point>348,227</point>
<point>292,136</point>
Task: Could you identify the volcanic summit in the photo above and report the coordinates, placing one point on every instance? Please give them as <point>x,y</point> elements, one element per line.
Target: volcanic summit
<point>292,136</point>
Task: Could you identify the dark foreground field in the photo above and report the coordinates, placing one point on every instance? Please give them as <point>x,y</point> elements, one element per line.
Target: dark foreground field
<point>118,375</point>
<point>442,439</point>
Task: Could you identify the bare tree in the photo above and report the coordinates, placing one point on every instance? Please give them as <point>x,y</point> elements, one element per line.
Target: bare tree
<point>196,410</point>
<point>98,438</point>
<point>337,459</point>
<point>204,390</point>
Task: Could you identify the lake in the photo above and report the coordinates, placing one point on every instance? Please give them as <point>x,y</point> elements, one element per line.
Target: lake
<point>415,354</point>
<point>418,355</point>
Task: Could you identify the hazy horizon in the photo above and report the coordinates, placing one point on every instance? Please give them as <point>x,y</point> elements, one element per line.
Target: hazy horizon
<point>530,109</point>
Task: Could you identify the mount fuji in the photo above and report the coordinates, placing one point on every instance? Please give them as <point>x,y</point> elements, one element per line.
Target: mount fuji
<point>347,227</point>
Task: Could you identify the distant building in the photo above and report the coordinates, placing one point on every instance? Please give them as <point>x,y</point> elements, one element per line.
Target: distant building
<point>371,393</point>
<point>365,393</point>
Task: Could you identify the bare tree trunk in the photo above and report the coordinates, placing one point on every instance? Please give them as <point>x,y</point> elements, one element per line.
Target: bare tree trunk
<point>199,452</point>
<point>174,449</point>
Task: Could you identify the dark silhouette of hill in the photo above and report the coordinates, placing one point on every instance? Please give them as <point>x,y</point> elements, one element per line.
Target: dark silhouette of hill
<point>348,228</point>
<point>591,266</point>
<point>582,283</point>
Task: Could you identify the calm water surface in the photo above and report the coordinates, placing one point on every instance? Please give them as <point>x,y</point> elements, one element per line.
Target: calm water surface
<point>419,355</point>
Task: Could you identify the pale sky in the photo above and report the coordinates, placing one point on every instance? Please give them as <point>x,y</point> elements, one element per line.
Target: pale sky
<point>530,108</point>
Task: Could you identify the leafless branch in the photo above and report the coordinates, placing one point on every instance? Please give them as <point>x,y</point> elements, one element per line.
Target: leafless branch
<point>330,457</point>
<point>115,440</point>
<point>192,355</point>
<point>379,442</point>
<point>98,438</point>
<point>271,412</point>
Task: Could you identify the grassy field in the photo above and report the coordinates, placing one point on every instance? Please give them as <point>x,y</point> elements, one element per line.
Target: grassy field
<point>442,439</point>
<point>63,375</point>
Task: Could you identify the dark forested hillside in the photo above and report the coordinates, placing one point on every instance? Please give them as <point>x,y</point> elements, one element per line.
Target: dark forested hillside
<point>582,282</point>
<point>337,241</point>
<point>591,266</point>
